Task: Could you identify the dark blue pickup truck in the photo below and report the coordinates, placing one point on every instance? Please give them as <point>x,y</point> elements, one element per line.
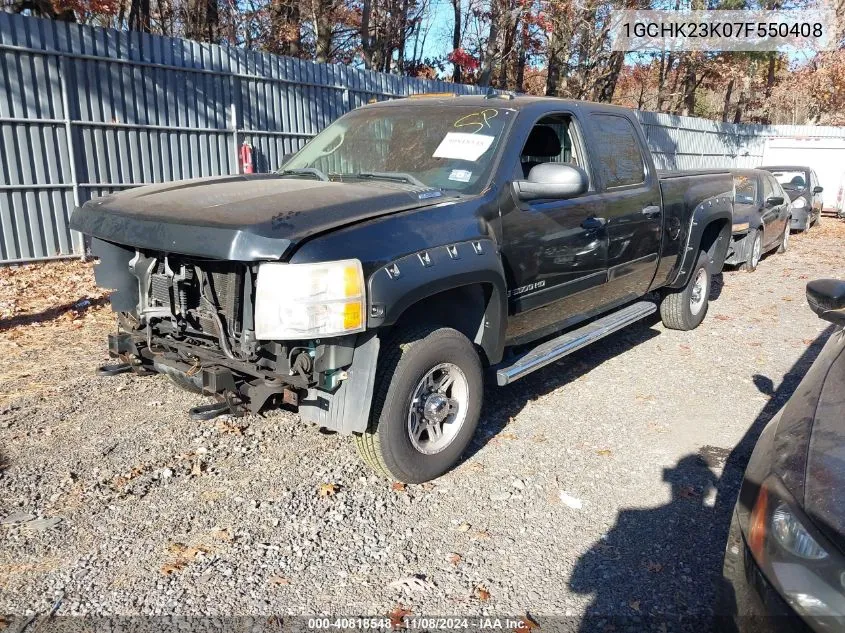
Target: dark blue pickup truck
<point>408,247</point>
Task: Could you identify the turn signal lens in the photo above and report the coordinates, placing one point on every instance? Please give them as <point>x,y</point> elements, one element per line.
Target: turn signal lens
<point>757,524</point>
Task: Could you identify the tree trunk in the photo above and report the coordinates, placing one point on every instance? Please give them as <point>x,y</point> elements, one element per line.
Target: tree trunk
<point>728,94</point>
<point>608,84</point>
<point>492,45</point>
<point>366,41</point>
<point>456,39</point>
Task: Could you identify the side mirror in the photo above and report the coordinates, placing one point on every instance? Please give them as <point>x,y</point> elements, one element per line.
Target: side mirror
<point>827,299</point>
<point>552,180</point>
<point>774,201</point>
<point>818,189</point>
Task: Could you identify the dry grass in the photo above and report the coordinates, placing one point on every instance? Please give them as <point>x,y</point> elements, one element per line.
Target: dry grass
<point>51,315</point>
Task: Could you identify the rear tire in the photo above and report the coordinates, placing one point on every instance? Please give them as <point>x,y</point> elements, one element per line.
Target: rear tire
<point>426,404</point>
<point>685,309</point>
<point>755,252</point>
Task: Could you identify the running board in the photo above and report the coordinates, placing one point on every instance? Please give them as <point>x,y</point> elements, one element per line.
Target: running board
<point>573,340</point>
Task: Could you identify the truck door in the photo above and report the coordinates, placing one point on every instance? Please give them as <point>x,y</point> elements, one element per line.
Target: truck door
<point>631,205</point>
<point>554,251</point>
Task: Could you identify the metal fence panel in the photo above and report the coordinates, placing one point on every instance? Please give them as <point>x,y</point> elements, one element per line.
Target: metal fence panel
<point>86,111</point>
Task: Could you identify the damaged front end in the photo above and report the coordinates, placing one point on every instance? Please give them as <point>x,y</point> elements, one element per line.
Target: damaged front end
<point>193,319</point>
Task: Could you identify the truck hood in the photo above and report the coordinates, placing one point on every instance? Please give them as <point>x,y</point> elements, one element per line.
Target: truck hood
<point>241,218</point>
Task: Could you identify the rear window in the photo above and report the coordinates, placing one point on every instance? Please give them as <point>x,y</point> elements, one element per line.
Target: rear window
<point>620,160</point>
<point>791,180</point>
<point>746,189</point>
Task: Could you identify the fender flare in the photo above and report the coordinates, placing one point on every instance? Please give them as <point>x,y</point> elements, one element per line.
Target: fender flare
<point>399,284</point>
<point>705,214</point>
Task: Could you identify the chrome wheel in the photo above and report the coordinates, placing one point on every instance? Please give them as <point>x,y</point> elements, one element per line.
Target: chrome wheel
<point>756,250</point>
<point>438,408</point>
<point>698,294</point>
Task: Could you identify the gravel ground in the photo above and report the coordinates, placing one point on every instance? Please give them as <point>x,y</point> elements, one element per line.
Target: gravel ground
<point>600,486</point>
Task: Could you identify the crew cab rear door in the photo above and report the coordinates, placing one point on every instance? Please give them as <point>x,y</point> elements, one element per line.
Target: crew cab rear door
<point>630,192</point>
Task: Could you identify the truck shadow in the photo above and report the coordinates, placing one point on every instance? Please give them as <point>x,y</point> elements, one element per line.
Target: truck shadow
<point>502,404</point>
<point>660,569</point>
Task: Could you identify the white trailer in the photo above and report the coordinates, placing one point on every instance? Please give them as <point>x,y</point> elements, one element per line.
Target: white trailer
<point>825,155</point>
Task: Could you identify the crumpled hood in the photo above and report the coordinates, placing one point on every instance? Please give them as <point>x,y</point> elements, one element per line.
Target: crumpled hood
<point>244,218</point>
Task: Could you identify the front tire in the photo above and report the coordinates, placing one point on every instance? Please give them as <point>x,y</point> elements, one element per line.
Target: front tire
<point>685,309</point>
<point>754,253</point>
<point>426,404</point>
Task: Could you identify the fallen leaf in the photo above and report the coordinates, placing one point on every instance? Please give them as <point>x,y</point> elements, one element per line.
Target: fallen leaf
<point>278,580</point>
<point>722,317</point>
<point>481,593</point>
<point>685,348</point>
<point>454,559</point>
<point>635,605</point>
<point>328,490</point>
<point>397,617</point>
<point>508,436</point>
<point>526,624</point>
<point>170,568</point>
<point>605,452</point>
<point>653,567</point>
<point>463,527</point>
<point>481,534</point>
<point>397,486</point>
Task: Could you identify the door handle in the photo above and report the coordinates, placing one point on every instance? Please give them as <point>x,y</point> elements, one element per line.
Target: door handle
<point>593,223</point>
<point>651,210</point>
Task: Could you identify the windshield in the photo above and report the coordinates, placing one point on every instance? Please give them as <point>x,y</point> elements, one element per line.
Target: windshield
<point>792,180</point>
<point>450,148</point>
<point>746,189</point>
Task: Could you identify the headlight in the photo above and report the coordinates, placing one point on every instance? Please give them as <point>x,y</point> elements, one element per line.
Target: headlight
<point>294,301</point>
<point>793,536</point>
<point>799,203</point>
<point>805,572</point>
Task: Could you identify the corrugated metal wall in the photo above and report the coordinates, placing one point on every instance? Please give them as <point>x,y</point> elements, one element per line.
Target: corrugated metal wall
<point>86,111</point>
<point>679,142</point>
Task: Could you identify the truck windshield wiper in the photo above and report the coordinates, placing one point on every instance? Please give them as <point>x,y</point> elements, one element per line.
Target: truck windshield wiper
<point>392,175</point>
<point>305,171</point>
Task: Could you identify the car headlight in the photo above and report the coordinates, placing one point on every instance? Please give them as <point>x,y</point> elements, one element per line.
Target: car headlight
<point>805,572</point>
<point>799,203</point>
<point>793,536</point>
<point>295,301</point>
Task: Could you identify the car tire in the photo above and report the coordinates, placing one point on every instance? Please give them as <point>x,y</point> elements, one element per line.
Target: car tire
<point>755,252</point>
<point>685,309</point>
<point>784,239</point>
<point>409,437</point>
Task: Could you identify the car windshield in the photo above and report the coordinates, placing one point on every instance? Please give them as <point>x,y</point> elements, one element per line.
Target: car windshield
<point>450,148</point>
<point>792,180</point>
<point>746,189</point>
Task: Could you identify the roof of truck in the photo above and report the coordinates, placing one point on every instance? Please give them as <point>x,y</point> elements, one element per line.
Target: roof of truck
<point>520,102</point>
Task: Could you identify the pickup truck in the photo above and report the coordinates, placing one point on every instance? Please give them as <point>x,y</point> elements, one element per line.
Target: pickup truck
<point>408,248</point>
